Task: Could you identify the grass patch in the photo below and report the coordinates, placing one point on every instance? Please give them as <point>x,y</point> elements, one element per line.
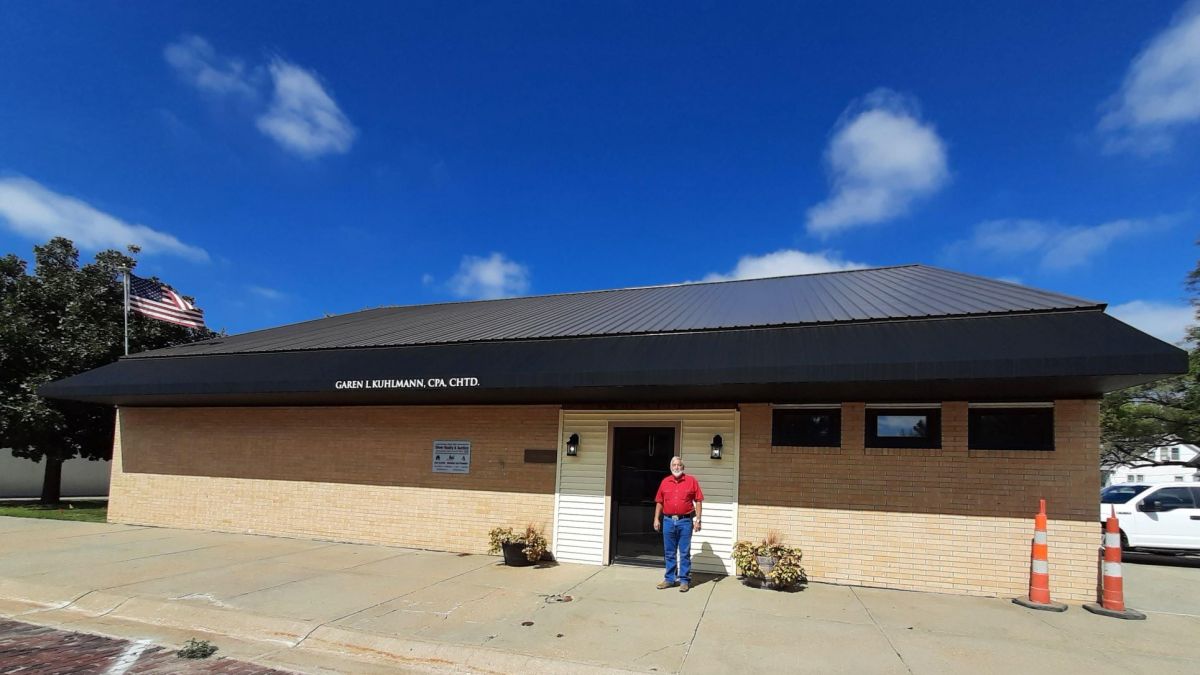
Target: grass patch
<point>85,511</point>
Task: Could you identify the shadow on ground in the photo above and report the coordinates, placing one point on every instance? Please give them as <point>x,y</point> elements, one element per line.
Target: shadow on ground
<point>1145,558</point>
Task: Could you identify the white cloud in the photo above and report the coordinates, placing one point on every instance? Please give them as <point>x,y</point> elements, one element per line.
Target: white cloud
<point>291,105</point>
<point>1161,90</point>
<point>1164,320</point>
<point>266,293</point>
<point>303,117</point>
<point>30,209</point>
<point>882,157</point>
<point>195,60</point>
<point>784,262</point>
<point>1056,247</point>
<point>488,278</point>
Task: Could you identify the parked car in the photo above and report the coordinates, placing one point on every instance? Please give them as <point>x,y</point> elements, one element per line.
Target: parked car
<point>1161,517</point>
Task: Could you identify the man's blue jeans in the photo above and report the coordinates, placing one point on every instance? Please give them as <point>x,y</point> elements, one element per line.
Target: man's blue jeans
<point>677,536</point>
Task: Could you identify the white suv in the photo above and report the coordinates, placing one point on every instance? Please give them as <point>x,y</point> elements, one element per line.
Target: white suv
<point>1155,516</point>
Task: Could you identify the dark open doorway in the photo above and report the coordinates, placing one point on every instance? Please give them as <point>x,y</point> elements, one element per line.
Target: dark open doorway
<point>641,459</point>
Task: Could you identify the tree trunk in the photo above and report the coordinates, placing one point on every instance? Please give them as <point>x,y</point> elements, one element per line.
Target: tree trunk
<point>52,481</point>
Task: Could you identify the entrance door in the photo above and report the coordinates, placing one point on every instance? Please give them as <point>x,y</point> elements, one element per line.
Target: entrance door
<point>641,459</point>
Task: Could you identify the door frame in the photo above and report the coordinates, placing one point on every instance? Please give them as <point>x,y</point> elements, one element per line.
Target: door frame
<point>677,425</point>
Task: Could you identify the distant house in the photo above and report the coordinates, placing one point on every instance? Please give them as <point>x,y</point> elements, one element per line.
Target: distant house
<point>1151,475</point>
<point>20,477</point>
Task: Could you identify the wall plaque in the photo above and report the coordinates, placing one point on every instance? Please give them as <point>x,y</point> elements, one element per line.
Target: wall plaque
<point>452,456</point>
<point>541,456</point>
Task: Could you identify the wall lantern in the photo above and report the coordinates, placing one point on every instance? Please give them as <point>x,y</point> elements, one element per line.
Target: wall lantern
<point>573,445</point>
<point>717,446</point>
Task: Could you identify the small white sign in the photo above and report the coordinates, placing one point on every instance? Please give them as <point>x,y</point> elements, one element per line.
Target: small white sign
<point>452,456</point>
<point>410,383</point>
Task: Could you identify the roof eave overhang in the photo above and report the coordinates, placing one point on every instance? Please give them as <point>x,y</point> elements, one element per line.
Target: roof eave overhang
<point>1056,355</point>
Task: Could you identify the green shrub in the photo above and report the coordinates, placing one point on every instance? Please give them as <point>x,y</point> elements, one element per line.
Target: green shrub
<point>197,649</point>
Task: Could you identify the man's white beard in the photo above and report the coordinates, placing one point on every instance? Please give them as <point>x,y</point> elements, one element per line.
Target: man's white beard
<point>677,472</point>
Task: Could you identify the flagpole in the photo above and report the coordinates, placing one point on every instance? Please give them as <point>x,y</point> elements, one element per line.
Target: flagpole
<point>125,285</point>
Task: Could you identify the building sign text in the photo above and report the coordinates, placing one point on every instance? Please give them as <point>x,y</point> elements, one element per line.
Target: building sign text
<point>412,383</point>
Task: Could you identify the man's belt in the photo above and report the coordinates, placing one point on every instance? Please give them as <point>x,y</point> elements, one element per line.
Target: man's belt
<point>680,517</point>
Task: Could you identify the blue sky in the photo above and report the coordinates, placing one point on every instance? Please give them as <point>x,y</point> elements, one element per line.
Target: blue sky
<point>281,161</point>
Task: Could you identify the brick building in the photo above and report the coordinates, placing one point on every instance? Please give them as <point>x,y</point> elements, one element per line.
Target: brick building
<point>899,424</point>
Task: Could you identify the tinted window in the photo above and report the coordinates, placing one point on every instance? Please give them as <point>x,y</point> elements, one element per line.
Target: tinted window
<point>903,428</point>
<point>1177,497</point>
<point>822,428</point>
<point>1119,494</point>
<point>1011,428</point>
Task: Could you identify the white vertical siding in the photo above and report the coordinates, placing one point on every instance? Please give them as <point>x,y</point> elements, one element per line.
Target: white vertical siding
<point>579,500</point>
<point>579,514</point>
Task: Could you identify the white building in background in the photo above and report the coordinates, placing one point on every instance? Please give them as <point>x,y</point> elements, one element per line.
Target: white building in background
<point>20,477</point>
<point>1153,475</point>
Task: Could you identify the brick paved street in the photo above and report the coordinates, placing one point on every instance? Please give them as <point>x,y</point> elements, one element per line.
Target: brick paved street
<point>29,649</point>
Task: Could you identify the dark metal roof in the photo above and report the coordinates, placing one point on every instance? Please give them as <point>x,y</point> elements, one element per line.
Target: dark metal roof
<point>886,293</point>
<point>1016,357</point>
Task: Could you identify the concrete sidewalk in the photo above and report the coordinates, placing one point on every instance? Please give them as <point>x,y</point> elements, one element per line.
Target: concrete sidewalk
<point>323,607</point>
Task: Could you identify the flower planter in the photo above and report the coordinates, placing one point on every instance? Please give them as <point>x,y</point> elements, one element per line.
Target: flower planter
<point>517,547</point>
<point>514,555</point>
<point>757,582</point>
<point>769,564</point>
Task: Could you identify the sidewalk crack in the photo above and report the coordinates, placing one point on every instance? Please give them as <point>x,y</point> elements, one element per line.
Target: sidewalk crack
<point>696,631</point>
<point>662,648</point>
<point>384,602</point>
<point>882,632</point>
<point>61,605</point>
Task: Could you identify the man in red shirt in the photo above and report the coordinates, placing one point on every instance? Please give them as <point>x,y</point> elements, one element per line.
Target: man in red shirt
<point>677,513</point>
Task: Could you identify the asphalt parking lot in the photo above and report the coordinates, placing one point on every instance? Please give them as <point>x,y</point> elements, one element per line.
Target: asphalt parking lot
<point>1162,583</point>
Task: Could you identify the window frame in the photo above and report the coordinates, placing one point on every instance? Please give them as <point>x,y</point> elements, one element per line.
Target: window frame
<point>1190,492</point>
<point>1141,489</point>
<point>975,443</point>
<point>932,441</point>
<point>833,409</point>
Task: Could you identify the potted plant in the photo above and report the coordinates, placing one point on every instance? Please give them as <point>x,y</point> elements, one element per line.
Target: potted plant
<point>519,548</point>
<point>769,563</point>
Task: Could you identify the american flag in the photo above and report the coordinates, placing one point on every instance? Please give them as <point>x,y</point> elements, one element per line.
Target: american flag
<point>162,302</point>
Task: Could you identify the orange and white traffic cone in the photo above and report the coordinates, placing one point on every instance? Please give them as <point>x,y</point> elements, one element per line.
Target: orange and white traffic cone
<point>1039,568</point>
<point>1112,597</point>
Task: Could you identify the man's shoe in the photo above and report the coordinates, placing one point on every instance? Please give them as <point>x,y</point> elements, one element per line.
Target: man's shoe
<point>683,588</point>
<point>664,584</point>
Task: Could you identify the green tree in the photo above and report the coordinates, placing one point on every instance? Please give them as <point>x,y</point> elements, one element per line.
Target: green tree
<point>59,321</point>
<point>1137,420</point>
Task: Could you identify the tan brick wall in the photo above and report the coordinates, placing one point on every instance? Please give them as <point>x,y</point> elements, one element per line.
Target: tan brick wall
<point>359,474</point>
<point>951,520</point>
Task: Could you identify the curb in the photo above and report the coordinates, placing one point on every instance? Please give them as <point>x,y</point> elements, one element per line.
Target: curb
<point>331,639</point>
